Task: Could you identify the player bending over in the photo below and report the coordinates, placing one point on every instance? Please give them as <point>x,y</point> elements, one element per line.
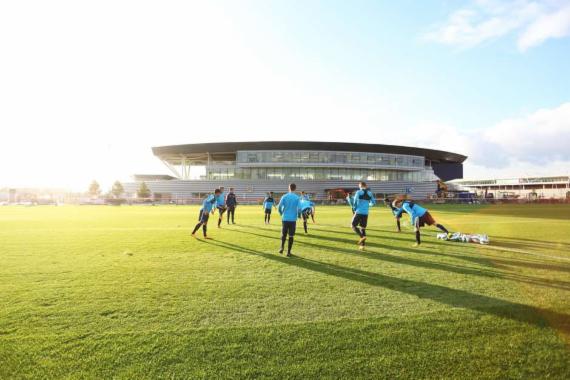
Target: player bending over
<point>305,196</point>
<point>307,210</point>
<point>268,204</point>
<point>395,211</point>
<point>207,208</point>
<point>221,205</point>
<point>419,216</point>
<point>363,199</point>
<point>289,210</point>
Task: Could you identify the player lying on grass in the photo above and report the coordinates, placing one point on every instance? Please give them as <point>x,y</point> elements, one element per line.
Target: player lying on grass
<point>363,199</point>
<point>289,210</point>
<point>419,216</point>
<point>307,210</point>
<point>207,208</point>
<point>305,196</point>
<point>221,205</point>
<point>268,204</point>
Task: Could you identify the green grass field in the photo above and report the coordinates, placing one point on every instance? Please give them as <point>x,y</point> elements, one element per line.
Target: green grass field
<point>125,292</point>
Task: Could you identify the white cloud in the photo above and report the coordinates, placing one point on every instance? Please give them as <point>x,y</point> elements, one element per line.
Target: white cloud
<point>535,144</point>
<point>533,21</point>
<point>552,25</point>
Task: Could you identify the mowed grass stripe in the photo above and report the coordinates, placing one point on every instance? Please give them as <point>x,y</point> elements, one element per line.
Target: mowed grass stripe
<point>126,292</point>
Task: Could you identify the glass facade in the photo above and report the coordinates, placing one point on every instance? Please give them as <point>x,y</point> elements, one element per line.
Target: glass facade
<point>304,173</point>
<point>329,158</point>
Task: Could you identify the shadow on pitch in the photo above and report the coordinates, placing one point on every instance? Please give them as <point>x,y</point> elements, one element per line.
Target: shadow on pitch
<point>492,262</point>
<point>442,294</point>
<point>557,284</point>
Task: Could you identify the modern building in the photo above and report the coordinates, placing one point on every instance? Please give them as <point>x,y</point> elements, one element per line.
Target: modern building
<point>528,187</point>
<point>325,170</point>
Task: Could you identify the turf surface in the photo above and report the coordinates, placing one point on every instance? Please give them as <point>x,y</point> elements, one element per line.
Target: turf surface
<point>125,292</point>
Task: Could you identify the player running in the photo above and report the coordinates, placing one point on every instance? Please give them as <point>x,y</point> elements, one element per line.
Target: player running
<point>419,216</point>
<point>289,210</point>
<point>207,208</point>
<point>363,199</point>
<point>221,205</point>
<point>307,210</point>
<point>268,204</point>
<point>231,203</point>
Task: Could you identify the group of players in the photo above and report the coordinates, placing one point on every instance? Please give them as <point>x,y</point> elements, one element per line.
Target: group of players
<point>292,206</point>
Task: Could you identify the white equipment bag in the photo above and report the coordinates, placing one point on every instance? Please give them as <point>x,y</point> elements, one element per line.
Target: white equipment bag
<point>465,238</point>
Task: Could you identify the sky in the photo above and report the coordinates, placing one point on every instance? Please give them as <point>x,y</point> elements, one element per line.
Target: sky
<point>87,88</point>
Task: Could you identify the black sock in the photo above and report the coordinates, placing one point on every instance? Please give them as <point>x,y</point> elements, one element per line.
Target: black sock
<point>418,237</point>
<point>204,229</point>
<point>363,235</point>
<point>442,228</point>
<point>219,221</point>
<point>196,228</point>
<point>290,244</point>
<point>305,226</point>
<point>283,238</point>
<point>268,218</point>
<point>398,224</point>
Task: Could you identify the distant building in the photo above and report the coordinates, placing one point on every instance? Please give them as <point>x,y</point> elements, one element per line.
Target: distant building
<point>528,187</point>
<point>325,170</point>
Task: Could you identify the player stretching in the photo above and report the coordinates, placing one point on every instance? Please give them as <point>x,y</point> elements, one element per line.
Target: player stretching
<point>231,202</point>
<point>305,196</point>
<point>307,210</point>
<point>221,205</point>
<point>289,210</point>
<point>363,199</point>
<point>268,204</point>
<point>207,208</point>
<point>419,217</point>
<point>395,210</point>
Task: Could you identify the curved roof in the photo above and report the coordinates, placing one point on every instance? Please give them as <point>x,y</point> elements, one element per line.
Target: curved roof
<point>232,147</point>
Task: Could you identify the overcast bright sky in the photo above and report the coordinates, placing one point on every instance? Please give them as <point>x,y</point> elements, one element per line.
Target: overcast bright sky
<point>86,88</point>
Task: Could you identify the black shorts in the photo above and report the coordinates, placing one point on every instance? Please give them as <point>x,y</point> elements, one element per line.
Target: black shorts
<point>288,228</point>
<point>360,220</point>
<point>306,213</point>
<point>222,209</point>
<point>424,219</point>
<point>204,217</point>
<point>268,211</point>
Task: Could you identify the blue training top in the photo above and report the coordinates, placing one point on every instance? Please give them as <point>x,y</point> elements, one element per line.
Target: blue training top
<point>363,199</point>
<point>289,207</point>
<point>268,202</point>
<point>221,200</point>
<point>305,204</point>
<point>412,209</point>
<point>208,203</point>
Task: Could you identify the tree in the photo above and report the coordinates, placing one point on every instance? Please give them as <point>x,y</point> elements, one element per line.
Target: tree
<point>117,189</point>
<point>94,189</point>
<point>143,191</point>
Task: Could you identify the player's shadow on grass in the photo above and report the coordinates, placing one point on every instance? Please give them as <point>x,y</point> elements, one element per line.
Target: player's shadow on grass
<point>482,272</point>
<point>454,297</point>
<point>495,262</point>
<point>484,261</point>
